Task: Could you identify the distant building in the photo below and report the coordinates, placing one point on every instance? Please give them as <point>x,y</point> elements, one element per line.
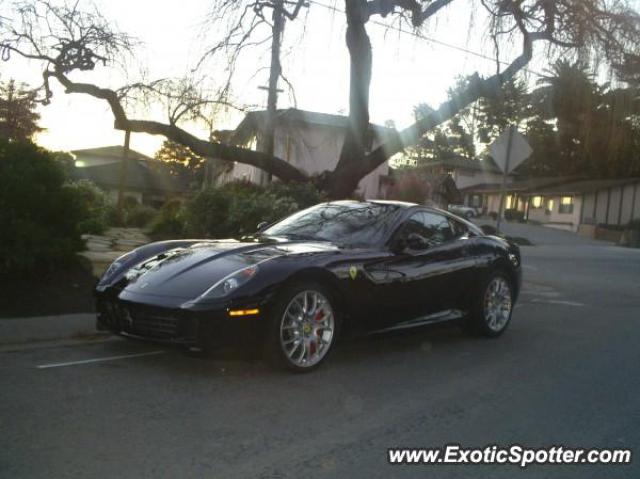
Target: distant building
<point>486,196</point>
<point>310,141</point>
<point>465,172</point>
<point>566,203</point>
<point>104,155</point>
<point>146,180</point>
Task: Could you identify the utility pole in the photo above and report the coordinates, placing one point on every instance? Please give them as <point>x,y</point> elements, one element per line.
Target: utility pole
<point>274,76</point>
<point>504,178</point>
<point>123,172</point>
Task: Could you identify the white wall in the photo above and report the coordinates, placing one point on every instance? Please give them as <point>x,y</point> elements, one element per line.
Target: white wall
<point>601,206</point>
<point>493,203</point>
<point>568,221</point>
<point>313,149</point>
<point>614,206</point>
<point>466,178</point>
<point>589,201</point>
<point>629,211</point>
<point>627,203</point>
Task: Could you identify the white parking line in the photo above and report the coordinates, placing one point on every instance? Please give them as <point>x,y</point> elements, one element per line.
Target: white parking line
<point>97,360</point>
<point>557,301</point>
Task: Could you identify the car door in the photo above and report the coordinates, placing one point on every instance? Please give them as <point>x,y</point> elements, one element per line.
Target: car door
<point>424,279</point>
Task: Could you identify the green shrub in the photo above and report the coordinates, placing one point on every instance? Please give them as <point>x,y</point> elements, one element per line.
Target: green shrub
<point>169,221</point>
<point>97,206</point>
<point>141,216</point>
<point>303,194</point>
<point>236,209</point>
<point>133,214</point>
<point>40,218</point>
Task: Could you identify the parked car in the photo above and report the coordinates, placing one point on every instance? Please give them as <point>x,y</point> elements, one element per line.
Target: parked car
<point>465,211</point>
<point>336,269</point>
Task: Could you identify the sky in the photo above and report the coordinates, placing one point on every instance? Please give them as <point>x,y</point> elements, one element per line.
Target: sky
<point>407,70</point>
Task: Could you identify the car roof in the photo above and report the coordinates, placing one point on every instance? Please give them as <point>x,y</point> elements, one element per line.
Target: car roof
<point>402,204</point>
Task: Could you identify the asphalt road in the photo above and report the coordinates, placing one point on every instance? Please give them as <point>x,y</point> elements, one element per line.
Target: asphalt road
<point>566,373</point>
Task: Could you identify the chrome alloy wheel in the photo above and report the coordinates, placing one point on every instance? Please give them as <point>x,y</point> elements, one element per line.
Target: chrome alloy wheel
<point>307,328</point>
<point>497,304</point>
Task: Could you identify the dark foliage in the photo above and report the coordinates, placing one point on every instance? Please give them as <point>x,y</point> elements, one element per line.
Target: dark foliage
<point>40,218</point>
<point>96,206</point>
<point>18,115</point>
<point>232,210</point>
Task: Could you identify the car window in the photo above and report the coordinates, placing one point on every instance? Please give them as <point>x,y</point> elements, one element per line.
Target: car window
<point>433,228</point>
<point>459,230</point>
<point>344,222</point>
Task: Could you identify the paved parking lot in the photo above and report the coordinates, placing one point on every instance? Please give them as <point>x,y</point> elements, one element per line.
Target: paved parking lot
<point>565,373</point>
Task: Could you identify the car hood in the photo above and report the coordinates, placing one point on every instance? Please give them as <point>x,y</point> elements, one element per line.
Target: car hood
<point>189,271</point>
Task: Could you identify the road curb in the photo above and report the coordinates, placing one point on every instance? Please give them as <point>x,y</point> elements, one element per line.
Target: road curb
<point>15,331</point>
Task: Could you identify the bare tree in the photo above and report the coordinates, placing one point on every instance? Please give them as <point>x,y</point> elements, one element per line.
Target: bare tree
<point>65,40</point>
<point>244,20</point>
<point>610,27</point>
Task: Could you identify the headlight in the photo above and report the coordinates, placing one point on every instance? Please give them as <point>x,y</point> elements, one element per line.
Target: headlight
<point>230,283</point>
<point>116,265</point>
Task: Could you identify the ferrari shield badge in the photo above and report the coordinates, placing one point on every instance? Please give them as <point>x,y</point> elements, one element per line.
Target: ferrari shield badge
<point>353,272</point>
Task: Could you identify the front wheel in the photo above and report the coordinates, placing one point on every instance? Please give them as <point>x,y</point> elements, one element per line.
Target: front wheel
<point>303,329</point>
<point>493,307</point>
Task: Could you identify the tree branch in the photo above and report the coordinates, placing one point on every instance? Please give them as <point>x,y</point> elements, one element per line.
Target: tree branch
<point>433,8</point>
<point>418,16</point>
<point>476,89</point>
<point>209,149</point>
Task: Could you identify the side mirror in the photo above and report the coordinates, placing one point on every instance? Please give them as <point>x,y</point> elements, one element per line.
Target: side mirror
<point>262,225</point>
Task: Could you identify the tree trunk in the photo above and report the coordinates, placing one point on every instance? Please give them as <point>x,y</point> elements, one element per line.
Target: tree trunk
<point>274,76</point>
<point>123,174</point>
<point>345,177</point>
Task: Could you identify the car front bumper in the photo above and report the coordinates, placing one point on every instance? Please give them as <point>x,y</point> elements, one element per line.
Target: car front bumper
<point>201,327</point>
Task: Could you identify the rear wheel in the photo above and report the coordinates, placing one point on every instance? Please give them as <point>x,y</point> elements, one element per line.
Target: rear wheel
<point>304,325</point>
<point>493,307</point>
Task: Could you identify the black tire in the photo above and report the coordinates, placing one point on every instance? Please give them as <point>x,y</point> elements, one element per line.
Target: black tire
<point>468,215</point>
<point>479,321</point>
<point>274,348</point>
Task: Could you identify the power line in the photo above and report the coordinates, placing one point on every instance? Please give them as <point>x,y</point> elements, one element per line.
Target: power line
<point>420,36</point>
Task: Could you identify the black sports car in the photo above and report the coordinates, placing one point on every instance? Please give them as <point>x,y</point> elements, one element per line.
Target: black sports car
<point>339,268</point>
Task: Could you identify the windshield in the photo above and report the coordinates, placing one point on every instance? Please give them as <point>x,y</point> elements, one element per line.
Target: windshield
<point>352,223</point>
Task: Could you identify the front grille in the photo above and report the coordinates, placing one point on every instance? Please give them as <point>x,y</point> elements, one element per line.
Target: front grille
<point>142,321</point>
<point>154,326</point>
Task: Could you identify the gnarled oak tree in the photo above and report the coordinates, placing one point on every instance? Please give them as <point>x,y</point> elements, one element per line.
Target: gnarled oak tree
<point>64,39</point>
